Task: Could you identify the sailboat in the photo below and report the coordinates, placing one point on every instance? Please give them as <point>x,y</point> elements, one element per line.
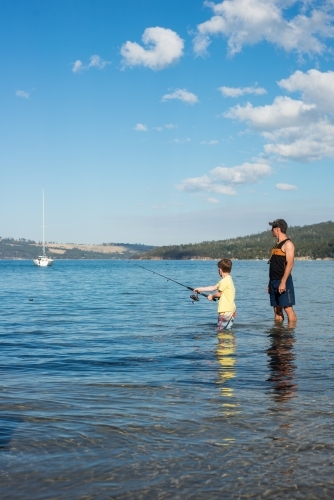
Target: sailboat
<point>43,260</point>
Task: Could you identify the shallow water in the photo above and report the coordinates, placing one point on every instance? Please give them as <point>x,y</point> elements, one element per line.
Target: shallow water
<point>114,385</point>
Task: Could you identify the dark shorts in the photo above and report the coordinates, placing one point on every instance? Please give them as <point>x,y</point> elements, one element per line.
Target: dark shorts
<point>285,299</point>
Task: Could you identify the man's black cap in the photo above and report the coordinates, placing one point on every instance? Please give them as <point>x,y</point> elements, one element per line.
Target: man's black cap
<point>279,223</point>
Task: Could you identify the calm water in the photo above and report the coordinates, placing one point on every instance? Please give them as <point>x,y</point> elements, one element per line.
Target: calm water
<point>114,385</point>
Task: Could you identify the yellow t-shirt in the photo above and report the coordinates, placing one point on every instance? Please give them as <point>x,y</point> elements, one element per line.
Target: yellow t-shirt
<point>226,300</point>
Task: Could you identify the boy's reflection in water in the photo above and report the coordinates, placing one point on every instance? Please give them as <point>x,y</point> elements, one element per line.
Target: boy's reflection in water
<point>281,363</point>
<point>226,358</point>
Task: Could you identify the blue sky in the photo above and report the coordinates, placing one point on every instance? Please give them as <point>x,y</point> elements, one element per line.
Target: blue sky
<point>165,122</point>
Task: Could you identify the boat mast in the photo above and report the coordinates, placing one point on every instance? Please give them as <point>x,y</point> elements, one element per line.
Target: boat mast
<point>43,225</point>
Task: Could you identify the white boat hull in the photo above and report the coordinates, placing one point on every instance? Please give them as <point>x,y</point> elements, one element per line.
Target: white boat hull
<point>43,261</point>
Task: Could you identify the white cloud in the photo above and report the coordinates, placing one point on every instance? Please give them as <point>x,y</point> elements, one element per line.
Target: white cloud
<point>181,141</point>
<point>239,91</point>
<point>168,126</point>
<point>304,143</point>
<point>77,66</point>
<point>212,200</point>
<point>286,187</point>
<point>181,95</point>
<point>316,87</point>
<point>95,62</point>
<point>301,130</point>
<point>283,112</point>
<point>22,93</point>
<point>247,22</point>
<point>204,183</point>
<point>164,47</point>
<point>247,173</point>
<point>140,127</point>
<point>214,142</point>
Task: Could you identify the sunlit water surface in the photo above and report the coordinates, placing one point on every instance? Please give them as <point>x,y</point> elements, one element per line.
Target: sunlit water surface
<point>115,385</point>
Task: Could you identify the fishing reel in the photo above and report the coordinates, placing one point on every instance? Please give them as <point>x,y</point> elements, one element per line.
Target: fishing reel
<point>194,298</point>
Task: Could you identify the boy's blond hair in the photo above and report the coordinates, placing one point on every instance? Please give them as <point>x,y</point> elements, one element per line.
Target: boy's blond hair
<point>225,265</point>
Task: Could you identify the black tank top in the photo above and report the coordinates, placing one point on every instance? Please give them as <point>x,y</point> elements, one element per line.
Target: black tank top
<point>277,261</point>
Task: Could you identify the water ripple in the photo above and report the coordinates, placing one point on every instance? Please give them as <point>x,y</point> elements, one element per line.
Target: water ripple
<point>114,385</point>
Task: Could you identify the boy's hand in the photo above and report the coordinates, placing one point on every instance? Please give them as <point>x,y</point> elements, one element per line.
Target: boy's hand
<point>197,290</point>
<point>210,297</point>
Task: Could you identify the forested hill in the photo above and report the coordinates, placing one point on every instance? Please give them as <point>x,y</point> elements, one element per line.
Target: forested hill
<point>29,249</point>
<point>314,241</point>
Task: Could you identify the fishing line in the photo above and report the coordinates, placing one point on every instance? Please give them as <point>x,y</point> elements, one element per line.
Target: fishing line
<point>194,297</point>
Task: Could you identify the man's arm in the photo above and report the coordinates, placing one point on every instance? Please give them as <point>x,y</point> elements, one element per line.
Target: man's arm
<point>289,249</point>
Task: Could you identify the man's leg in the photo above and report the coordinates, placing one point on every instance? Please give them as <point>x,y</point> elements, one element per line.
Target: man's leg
<point>292,318</point>
<point>274,300</point>
<point>278,312</point>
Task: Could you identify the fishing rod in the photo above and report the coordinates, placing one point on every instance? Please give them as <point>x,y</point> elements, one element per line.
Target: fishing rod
<point>193,297</point>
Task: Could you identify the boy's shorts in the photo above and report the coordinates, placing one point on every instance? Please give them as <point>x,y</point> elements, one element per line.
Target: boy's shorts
<point>226,320</point>
<point>285,299</point>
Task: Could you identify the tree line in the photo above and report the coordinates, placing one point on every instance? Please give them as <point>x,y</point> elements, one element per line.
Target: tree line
<point>313,241</point>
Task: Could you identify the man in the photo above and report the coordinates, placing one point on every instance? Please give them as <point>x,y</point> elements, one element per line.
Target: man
<point>280,286</point>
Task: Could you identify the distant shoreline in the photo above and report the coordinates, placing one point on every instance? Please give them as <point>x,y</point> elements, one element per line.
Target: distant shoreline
<point>312,242</point>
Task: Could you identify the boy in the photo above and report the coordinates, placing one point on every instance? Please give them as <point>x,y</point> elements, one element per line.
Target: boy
<point>226,295</point>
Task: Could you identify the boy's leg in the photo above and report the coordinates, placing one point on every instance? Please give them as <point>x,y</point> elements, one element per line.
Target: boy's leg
<point>220,322</point>
<point>225,321</point>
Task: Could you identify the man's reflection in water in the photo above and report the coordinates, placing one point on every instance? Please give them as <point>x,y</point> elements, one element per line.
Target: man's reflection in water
<point>281,363</point>
<point>227,360</point>
<point>282,378</point>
